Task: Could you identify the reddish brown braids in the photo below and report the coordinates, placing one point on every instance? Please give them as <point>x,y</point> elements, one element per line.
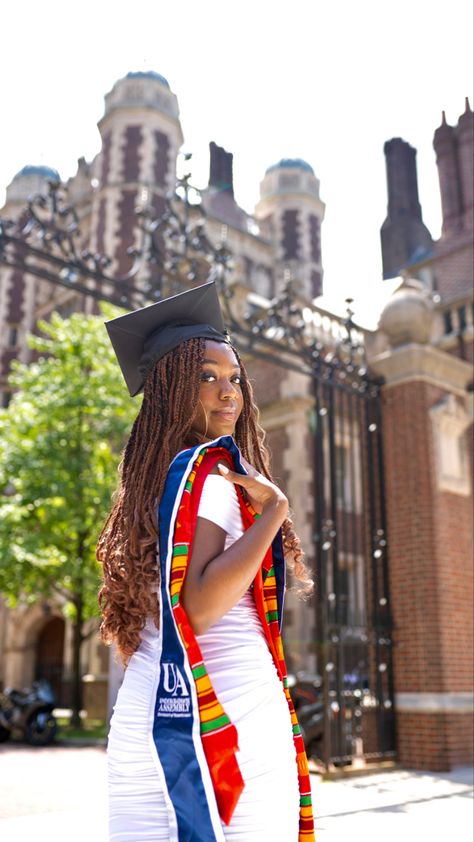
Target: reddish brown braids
<point>127,543</point>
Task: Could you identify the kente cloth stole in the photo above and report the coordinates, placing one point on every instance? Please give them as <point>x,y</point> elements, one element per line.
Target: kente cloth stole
<point>195,740</point>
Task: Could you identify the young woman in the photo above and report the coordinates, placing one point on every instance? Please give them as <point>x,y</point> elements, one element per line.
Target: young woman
<point>204,744</point>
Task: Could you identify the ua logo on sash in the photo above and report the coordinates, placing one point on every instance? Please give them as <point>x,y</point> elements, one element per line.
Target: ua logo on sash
<point>173,681</point>
<point>177,701</point>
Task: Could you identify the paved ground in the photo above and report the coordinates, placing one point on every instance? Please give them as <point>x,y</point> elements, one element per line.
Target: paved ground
<point>404,806</point>
<point>58,795</point>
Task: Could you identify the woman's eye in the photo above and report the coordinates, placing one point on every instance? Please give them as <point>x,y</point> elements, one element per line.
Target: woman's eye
<point>208,377</point>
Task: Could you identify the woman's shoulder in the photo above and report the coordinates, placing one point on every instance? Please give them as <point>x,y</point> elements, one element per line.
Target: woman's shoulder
<point>219,503</point>
<point>219,484</point>
<point>219,491</point>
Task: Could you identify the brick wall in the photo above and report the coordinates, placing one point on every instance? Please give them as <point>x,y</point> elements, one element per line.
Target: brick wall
<point>266,380</point>
<point>431,579</point>
<point>434,741</point>
<point>454,541</point>
<point>453,265</point>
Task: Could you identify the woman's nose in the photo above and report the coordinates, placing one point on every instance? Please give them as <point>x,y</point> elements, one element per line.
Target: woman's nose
<point>228,389</point>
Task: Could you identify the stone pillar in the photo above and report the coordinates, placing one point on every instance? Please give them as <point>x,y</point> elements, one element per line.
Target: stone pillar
<point>429,503</point>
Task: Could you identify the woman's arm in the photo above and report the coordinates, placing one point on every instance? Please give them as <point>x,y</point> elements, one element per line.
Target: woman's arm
<point>216,578</point>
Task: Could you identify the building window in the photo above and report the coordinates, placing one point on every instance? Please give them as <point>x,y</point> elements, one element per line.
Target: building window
<point>448,321</point>
<point>315,238</point>
<point>13,337</point>
<point>316,283</point>
<point>291,238</point>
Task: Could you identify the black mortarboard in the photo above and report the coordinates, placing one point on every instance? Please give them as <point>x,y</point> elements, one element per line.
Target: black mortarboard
<point>144,336</point>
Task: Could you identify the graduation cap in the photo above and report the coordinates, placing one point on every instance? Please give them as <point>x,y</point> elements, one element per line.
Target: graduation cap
<point>144,336</point>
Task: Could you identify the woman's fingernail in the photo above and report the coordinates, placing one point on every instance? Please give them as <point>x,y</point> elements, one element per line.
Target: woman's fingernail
<point>223,468</point>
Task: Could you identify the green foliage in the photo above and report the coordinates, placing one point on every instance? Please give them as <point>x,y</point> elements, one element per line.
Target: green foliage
<point>60,444</point>
<point>91,729</point>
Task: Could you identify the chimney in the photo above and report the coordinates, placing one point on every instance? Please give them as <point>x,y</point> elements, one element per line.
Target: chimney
<point>405,238</point>
<point>220,175</point>
<point>465,138</point>
<point>445,146</point>
<point>402,182</point>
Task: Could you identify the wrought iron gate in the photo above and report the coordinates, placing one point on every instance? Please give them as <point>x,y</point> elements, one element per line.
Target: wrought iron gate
<point>352,605</point>
<point>353,619</point>
<point>353,642</point>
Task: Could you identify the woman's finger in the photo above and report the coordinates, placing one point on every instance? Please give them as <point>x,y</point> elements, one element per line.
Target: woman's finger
<point>253,484</point>
<point>232,476</point>
<point>226,472</point>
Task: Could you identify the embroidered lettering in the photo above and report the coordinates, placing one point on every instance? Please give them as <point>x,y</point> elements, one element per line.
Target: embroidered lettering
<point>175,707</point>
<point>178,702</point>
<point>173,681</point>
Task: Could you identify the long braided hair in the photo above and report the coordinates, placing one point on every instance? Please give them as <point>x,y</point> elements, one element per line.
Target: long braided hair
<point>128,540</point>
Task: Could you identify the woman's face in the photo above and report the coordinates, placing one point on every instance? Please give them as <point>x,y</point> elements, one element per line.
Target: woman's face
<point>220,394</point>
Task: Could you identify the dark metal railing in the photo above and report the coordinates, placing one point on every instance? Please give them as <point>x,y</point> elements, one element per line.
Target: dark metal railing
<point>353,620</point>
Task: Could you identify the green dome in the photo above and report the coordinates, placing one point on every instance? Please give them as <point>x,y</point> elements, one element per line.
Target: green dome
<point>148,74</point>
<point>291,163</point>
<point>41,171</point>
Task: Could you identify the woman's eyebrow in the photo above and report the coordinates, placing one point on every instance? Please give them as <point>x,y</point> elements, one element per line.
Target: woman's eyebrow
<point>214,362</point>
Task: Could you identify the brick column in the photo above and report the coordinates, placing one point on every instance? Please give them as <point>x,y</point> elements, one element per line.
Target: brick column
<point>429,502</point>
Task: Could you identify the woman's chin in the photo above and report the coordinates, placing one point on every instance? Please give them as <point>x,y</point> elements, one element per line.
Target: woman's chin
<point>210,435</point>
<point>220,430</point>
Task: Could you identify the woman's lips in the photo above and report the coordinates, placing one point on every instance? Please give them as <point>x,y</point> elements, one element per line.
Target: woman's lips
<point>226,414</point>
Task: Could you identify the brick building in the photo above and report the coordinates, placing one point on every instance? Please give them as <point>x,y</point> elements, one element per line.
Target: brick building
<point>421,348</point>
<point>427,365</point>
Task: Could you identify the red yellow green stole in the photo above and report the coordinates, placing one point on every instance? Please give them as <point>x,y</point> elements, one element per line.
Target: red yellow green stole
<point>219,736</point>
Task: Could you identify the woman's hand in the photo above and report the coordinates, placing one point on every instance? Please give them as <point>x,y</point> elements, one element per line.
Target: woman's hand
<point>216,577</point>
<point>261,493</point>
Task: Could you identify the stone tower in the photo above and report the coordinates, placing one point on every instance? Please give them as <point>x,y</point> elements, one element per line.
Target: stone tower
<point>291,209</point>
<point>141,135</point>
<point>18,290</point>
<point>405,238</point>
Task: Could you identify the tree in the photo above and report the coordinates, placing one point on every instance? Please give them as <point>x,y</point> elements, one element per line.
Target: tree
<point>60,444</point>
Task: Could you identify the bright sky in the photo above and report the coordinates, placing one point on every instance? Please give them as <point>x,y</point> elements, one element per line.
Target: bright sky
<point>324,80</point>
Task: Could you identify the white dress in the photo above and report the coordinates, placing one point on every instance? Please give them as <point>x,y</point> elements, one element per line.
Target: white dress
<point>246,683</point>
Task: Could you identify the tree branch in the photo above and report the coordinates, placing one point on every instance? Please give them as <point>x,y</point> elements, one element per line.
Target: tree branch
<point>62,592</point>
